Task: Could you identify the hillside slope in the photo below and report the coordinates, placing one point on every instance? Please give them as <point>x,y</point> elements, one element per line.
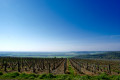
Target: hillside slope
<point>105,55</point>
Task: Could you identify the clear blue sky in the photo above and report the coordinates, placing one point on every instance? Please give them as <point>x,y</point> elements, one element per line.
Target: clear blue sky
<point>59,25</point>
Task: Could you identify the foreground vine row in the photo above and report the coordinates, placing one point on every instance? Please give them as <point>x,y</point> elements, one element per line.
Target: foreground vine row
<point>89,66</point>
<point>32,65</point>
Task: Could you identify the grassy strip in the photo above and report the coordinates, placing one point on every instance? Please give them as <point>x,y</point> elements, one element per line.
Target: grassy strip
<point>70,69</point>
<point>23,76</point>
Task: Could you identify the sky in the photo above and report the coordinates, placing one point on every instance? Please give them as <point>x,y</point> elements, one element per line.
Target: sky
<point>59,25</point>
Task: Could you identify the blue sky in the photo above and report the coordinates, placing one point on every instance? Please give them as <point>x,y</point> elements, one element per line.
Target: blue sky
<point>59,25</point>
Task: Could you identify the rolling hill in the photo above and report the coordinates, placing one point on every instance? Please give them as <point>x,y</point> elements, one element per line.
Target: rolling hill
<point>105,55</point>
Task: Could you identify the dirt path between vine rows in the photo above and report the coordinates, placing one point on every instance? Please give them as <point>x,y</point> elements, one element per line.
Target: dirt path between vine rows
<point>83,71</point>
<point>59,70</point>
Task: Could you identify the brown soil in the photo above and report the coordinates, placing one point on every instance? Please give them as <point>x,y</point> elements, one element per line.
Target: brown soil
<point>59,70</point>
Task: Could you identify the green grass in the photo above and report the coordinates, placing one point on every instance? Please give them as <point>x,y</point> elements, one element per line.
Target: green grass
<point>1,73</point>
<point>24,76</point>
<point>71,70</point>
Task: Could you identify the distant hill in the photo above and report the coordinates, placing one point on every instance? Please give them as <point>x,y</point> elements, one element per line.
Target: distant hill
<point>47,54</point>
<point>105,55</point>
<point>38,54</point>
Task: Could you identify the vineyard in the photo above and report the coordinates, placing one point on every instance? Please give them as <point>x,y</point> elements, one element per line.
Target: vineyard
<point>58,66</point>
<point>92,67</point>
<point>33,65</point>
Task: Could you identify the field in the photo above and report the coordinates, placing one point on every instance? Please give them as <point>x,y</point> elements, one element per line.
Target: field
<point>58,69</point>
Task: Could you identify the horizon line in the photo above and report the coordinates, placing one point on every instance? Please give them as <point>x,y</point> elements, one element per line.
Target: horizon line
<point>58,51</point>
